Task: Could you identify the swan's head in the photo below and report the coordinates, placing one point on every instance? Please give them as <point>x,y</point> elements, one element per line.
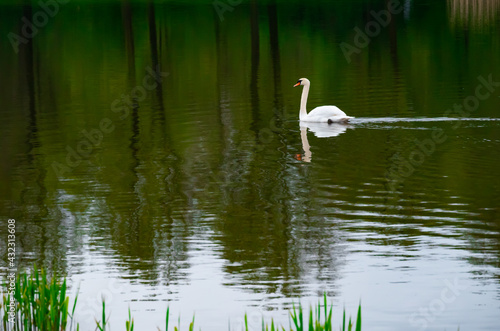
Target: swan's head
<point>302,81</point>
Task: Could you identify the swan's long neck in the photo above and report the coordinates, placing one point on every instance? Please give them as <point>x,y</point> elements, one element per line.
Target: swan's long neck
<point>303,102</point>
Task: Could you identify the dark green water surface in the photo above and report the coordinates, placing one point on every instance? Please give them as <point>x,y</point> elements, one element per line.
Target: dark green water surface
<point>151,152</point>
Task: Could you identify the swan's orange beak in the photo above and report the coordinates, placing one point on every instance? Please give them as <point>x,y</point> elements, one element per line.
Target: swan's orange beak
<point>298,83</point>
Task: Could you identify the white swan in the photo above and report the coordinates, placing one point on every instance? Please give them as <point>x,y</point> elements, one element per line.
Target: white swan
<point>328,114</point>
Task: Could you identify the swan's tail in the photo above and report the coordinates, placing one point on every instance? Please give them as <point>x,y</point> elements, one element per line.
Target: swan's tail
<point>343,120</point>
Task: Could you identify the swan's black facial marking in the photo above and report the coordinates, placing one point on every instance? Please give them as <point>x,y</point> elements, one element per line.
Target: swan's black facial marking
<point>299,82</point>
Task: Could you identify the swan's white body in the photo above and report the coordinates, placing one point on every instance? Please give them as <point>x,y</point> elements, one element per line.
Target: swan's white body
<point>326,114</point>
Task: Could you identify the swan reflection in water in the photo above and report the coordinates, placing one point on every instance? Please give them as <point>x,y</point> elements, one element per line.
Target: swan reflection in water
<point>320,130</point>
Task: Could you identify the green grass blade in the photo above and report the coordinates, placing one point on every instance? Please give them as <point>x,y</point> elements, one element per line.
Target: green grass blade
<point>166,318</point>
<point>311,326</point>
<point>103,315</point>
<point>343,321</point>
<point>191,326</point>
<point>358,319</point>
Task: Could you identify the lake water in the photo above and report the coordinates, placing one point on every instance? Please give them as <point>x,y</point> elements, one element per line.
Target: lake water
<point>152,153</point>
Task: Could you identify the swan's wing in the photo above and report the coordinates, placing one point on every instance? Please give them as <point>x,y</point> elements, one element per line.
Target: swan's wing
<point>327,111</point>
<point>329,114</point>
